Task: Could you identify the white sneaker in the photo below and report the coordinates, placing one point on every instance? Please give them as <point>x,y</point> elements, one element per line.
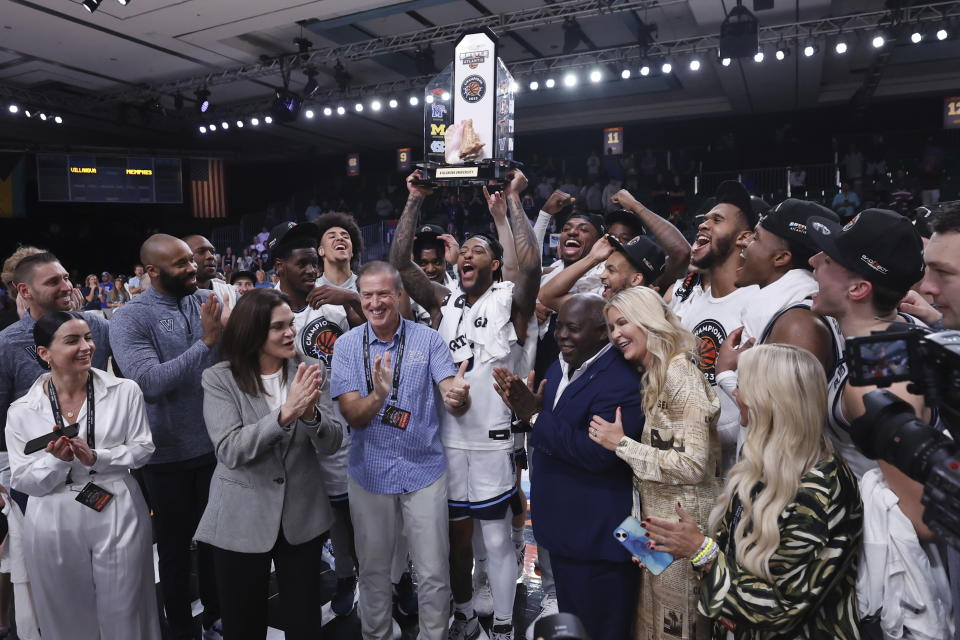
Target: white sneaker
<point>482,595</point>
<point>548,607</point>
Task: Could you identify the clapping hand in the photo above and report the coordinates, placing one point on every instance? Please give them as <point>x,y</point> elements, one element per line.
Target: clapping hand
<point>458,393</point>
<point>382,376</point>
<point>519,396</point>
<point>210,312</point>
<point>303,394</point>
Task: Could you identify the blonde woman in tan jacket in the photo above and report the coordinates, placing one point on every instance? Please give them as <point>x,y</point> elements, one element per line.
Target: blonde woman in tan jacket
<point>676,460</point>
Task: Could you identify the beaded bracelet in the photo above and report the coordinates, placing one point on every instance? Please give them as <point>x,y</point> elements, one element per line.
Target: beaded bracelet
<point>707,555</point>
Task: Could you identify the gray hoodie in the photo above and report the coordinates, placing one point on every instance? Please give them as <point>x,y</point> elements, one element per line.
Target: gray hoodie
<point>156,340</point>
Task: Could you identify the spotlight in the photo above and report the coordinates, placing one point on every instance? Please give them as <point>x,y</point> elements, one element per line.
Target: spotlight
<point>625,74</point>
<point>942,34</point>
<point>13,108</point>
<point>309,113</point>
<point>596,76</point>
<point>358,107</point>
<point>840,47</point>
<point>202,129</point>
<point>43,117</point>
<point>758,56</point>
<point>569,80</point>
<point>327,111</point>
<point>916,37</point>
<point>58,119</point>
<point>414,101</point>
<point>644,70</point>
<point>695,65</point>
<point>224,125</point>
<point>239,124</point>
<point>267,120</point>
<point>780,53</point>
<point>203,100</point>
<point>445,96</point>
<point>286,105</point>
<point>665,68</point>
<point>375,105</point>
<point>878,41</point>
<point>393,103</point>
<point>255,122</point>
<point>725,62</point>
<point>550,83</point>
<point>91,5</point>
<point>811,49</point>
<point>534,85</point>
<point>341,110</point>
<point>514,87</point>
<point>428,99</point>
<point>27,113</point>
<point>212,127</point>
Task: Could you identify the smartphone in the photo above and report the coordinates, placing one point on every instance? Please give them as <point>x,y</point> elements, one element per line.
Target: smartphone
<point>69,431</point>
<point>633,536</point>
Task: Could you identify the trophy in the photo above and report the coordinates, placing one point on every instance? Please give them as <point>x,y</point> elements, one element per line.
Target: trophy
<point>468,116</point>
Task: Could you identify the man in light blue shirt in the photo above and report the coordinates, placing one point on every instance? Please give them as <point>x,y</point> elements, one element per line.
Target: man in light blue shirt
<point>386,374</point>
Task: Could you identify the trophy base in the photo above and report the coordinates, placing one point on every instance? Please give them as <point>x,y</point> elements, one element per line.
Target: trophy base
<point>485,172</point>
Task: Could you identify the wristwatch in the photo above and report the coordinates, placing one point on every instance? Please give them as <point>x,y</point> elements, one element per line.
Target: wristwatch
<point>533,419</point>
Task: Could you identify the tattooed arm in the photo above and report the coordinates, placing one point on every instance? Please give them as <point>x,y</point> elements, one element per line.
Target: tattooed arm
<point>497,203</point>
<point>674,244</point>
<point>427,294</point>
<point>527,283</point>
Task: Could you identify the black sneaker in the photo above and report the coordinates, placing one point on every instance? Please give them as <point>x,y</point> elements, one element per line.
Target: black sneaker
<point>344,599</point>
<point>405,595</point>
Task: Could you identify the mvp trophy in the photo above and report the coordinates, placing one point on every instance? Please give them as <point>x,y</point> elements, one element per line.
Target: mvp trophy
<point>468,116</point>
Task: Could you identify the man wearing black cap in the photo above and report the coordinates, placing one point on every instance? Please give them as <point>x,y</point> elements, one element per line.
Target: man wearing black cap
<point>294,257</point>
<point>777,259</point>
<point>864,269</point>
<point>432,251</point>
<point>712,312</point>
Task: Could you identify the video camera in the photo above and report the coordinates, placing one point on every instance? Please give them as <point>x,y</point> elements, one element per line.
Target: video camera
<point>890,429</point>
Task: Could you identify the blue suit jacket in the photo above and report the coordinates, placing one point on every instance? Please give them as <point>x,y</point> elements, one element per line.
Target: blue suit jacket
<point>580,492</point>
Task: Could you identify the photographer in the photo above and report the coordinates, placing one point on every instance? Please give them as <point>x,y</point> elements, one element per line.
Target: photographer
<point>863,271</point>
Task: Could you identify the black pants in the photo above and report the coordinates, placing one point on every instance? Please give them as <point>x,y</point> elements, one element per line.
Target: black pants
<point>602,594</point>
<point>178,493</point>
<point>243,579</point>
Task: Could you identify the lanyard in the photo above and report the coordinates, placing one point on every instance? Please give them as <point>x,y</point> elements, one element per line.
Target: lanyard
<point>58,415</point>
<point>396,364</point>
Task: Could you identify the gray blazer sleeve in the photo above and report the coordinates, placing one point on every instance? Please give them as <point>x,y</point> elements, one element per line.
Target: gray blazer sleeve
<point>327,436</point>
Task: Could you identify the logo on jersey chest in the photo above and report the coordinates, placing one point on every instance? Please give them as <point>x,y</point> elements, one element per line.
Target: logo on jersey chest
<point>166,324</point>
<point>710,335</point>
<point>32,350</point>
<point>318,337</point>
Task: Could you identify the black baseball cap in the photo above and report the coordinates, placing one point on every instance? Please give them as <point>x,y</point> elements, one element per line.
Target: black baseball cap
<point>881,246</point>
<point>788,220</point>
<point>236,275</point>
<point>594,219</point>
<point>287,231</point>
<point>624,217</point>
<point>429,231</point>
<point>732,192</point>
<point>644,254</point>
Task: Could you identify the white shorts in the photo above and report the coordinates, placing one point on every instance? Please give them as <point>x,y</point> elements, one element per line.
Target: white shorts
<point>480,484</point>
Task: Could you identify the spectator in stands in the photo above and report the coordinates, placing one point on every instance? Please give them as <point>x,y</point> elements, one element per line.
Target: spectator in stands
<point>245,262</point>
<point>593,168</point>
<point>846,203</point>
<point>228,260</point>
<point>260,240</point>
<point>648,165</point>
<point>119,294</point>
<point>106,282</point>
<point>931,178</point>
<point>243,281</point>
<point>313,211</point>
<point>262,280</point>
<point>607,195</point>
<point>134,286</point>
<point>678,197</point>
<point>569,186</point>
<point>593,198</point>
<point>384,207</point>
<point>853,166</point>
<point>93,295</point>
<point>797,178</point>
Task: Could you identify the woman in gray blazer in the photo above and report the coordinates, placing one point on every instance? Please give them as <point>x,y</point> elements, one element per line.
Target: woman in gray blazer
<point>267,499</point>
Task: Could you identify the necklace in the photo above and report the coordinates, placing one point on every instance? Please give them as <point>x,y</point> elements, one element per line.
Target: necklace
<point>69,414</point>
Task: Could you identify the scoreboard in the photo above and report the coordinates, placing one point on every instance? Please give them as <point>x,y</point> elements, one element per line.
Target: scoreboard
<point>84,178</point>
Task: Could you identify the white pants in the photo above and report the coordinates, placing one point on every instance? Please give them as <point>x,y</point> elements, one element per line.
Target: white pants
<point>92,572</point>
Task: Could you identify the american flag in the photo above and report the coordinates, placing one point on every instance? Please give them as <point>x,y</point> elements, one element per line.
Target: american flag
<point>207,194</point>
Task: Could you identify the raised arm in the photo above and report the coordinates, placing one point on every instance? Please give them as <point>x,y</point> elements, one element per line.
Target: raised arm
<point>555,292</point>
<point>427,294</point>
<point>497,203</point>
<point>527,252</point>
<point>668,236</point>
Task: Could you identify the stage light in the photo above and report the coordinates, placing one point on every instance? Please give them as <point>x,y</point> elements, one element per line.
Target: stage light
<point>625,74</point>
<point>725,62</point>
<point>916,37</point>
<point>58,119</point>
<point>327,111</point>
<point>43,116</point>
<point>809,50</point>
<point>203,100</point>
<point>375,105</point>
<point>550,83</point>
<point>358,107</point>
<point>224,125</point>
<point>27,113</point>
<point>514,87</point>
<point>644,70</point>
<point>665,68</point>
<point>341,110</point>
<point>124,2</point>
<point>212,127</point>
<point>240,124</point>
<point>780,54</point>
<point>878,41</point>
<point>596,76</point>
<point>267,120</point>
<point>534,85</point>
<point>13,108</point>
<point>414,101</point>
<point>570,80</point>
<point>309,113</point>
<point>840,47</point>
<point>758,56</point>
<point>695,65</point>
<point>445,96</point>
<point>202,129</point>
<point>428,99</point>
<point>91,5</point>
<point>393,103</point>
<point>255,121</point>
<point>942,34</point>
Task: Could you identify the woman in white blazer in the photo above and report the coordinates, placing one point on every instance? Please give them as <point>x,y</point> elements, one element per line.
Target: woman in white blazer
<point>89,557</point>
<point>267,498</point>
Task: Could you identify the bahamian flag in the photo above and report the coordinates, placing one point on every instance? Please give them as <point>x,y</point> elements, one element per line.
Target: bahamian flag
<point>12,185</point>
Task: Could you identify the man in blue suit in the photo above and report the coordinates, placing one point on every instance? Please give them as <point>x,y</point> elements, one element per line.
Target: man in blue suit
<point>580,491</point>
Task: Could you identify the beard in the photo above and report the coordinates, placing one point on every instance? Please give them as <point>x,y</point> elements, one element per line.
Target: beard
<point>177,287</point>
<point>717,253</point>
